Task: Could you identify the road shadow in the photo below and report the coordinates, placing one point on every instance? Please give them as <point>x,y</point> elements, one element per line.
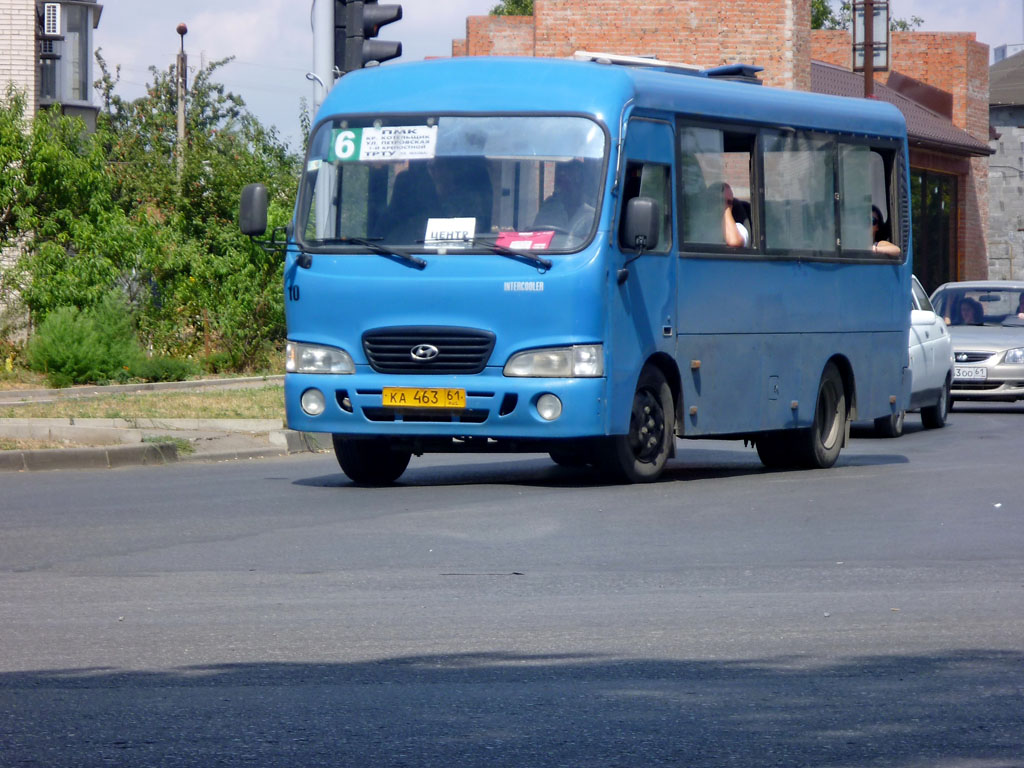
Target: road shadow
<point>961,707</point>
<point>692,464</point>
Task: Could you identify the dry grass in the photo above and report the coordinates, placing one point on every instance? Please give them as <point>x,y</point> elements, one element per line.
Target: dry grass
<point>265,402</point>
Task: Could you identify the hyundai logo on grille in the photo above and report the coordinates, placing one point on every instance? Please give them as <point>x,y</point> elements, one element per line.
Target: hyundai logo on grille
<point>961,357</point>
<point>424,352</point>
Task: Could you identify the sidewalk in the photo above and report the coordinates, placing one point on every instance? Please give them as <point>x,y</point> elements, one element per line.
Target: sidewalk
<point>113,443</point>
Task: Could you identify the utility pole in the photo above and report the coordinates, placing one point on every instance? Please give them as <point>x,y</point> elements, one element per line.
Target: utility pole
<point>182,74</point>
<point>869,49</point>
<point>322,22</point>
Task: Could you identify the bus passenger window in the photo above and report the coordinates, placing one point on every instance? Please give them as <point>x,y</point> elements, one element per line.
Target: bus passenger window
<point>799,192</point>
<point>653,181</point>
<point>715,183</point>
<point>865,216</point>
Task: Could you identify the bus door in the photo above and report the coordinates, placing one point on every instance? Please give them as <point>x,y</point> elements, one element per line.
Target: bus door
<point>643,303</point>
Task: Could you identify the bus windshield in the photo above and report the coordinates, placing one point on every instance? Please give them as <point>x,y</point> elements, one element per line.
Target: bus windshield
<point>453,182</point>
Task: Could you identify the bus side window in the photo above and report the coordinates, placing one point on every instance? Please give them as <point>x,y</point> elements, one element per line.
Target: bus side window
<point>709,160</point>
<point>799,192</point>
<point>864,194</point>
<point>648,180</point>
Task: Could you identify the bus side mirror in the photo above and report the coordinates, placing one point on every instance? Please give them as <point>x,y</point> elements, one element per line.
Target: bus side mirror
<point>252,210</point>
<point>643,222</point>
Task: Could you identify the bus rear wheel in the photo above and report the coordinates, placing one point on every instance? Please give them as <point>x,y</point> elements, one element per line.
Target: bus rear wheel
<point>818,446</point>
<point>891,425</point>
<point>370,461</point>
<point>640,455</point>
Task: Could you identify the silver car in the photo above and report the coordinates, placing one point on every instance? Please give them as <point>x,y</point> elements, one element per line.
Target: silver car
<point>986,321</point>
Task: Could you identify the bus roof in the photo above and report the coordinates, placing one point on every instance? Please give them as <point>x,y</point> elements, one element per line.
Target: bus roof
<point>508,84</point>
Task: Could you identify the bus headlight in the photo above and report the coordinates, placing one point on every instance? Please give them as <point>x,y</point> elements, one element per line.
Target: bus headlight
<point>580,361</point>
<point>1014,356</point>
<point>315,358</point>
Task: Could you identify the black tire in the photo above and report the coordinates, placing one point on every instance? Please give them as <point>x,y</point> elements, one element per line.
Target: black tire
<point>640,456</point>
<point>370,461</point>
<point>819,446</point>
<point>775,449</point>
<point>934,416</point>
<point>574,455</point>
<point>890,426</point>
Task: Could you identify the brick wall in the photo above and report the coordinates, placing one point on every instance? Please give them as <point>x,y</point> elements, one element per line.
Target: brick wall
<point>833,46</point>
<point>18,47</point>
<point>499,36</point>
<point>774,34</point>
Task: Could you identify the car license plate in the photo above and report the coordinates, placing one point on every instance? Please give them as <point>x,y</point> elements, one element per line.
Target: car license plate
<point>970,373</point>
<point>423,397</point>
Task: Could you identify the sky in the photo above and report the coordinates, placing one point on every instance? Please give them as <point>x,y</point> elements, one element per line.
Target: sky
<point>271,40</point>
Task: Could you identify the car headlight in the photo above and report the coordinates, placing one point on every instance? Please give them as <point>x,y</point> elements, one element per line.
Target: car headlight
<point>1014,356</point>
<point>580,361</point>
<point>315,358</point>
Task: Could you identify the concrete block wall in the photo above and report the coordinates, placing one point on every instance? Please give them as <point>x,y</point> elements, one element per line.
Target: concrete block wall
<point>1006,195</point>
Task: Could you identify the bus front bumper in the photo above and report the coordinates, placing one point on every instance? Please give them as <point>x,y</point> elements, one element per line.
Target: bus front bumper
<point>496,406</point>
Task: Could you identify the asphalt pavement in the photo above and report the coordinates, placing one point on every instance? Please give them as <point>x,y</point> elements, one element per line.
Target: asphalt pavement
<point>113,443</point>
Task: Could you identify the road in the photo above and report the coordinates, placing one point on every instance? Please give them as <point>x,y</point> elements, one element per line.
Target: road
<point>500,611</point>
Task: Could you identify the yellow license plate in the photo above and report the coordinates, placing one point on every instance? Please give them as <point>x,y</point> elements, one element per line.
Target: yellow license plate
<point>423,397</point>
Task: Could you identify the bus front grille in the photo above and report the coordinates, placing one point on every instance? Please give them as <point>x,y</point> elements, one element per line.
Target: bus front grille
<point>428,350</point>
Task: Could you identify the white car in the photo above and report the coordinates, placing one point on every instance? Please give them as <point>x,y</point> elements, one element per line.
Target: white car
<point>931,367</point>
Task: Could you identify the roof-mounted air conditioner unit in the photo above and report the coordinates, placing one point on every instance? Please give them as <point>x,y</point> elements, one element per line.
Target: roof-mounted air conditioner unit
<point>51,19</point>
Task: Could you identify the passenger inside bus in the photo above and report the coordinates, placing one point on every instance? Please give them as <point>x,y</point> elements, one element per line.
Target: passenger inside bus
<point>736,234</point>
<point>464,188</point>
<point>413,198</point>
<point>880,234</point>
<point>565,209</point>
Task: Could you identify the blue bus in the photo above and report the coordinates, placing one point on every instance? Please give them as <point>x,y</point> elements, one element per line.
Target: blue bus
<point>590,260</point>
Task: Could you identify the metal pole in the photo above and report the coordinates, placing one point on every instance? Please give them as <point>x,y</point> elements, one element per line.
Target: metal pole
<point>322,22</point>
<point>869,49</point>
<point>182,73</point>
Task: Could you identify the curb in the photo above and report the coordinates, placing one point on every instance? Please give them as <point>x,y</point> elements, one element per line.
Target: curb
<point>283,443</point>
<point>143,454</point>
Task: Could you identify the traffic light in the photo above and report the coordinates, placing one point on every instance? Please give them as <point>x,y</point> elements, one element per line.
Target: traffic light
<point>356,22</point>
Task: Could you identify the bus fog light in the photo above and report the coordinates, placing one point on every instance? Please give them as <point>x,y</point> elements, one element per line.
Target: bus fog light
<point>312,402</point>
<point>549,407</point>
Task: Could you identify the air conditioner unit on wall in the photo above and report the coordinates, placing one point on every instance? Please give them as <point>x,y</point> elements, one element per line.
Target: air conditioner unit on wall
<point>51,19</point>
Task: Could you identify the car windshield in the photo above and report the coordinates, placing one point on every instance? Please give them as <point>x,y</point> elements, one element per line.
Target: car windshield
<point>965,305</point>
<point>453,182</point>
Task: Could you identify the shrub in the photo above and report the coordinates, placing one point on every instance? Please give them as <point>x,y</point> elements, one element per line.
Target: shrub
<point>73,346</point>
<point>162,368</point>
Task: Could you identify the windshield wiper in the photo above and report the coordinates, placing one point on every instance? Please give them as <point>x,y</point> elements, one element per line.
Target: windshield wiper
<point>511,253</point>
<point>372,245</point>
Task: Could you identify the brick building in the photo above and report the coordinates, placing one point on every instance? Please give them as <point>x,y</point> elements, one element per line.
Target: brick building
<point>948,150</point>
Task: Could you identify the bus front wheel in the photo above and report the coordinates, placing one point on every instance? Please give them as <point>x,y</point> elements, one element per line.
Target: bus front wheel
<point>370,461</point>
<point>640,455</point>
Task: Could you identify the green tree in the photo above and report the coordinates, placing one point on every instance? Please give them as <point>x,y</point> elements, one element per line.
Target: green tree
<point>825,16</point>
<point>95,213</point>
<point>513,8</point>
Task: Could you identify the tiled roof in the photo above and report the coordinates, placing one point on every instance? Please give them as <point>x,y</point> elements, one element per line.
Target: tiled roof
<point>1006,81</point>
<point>925,128</point>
